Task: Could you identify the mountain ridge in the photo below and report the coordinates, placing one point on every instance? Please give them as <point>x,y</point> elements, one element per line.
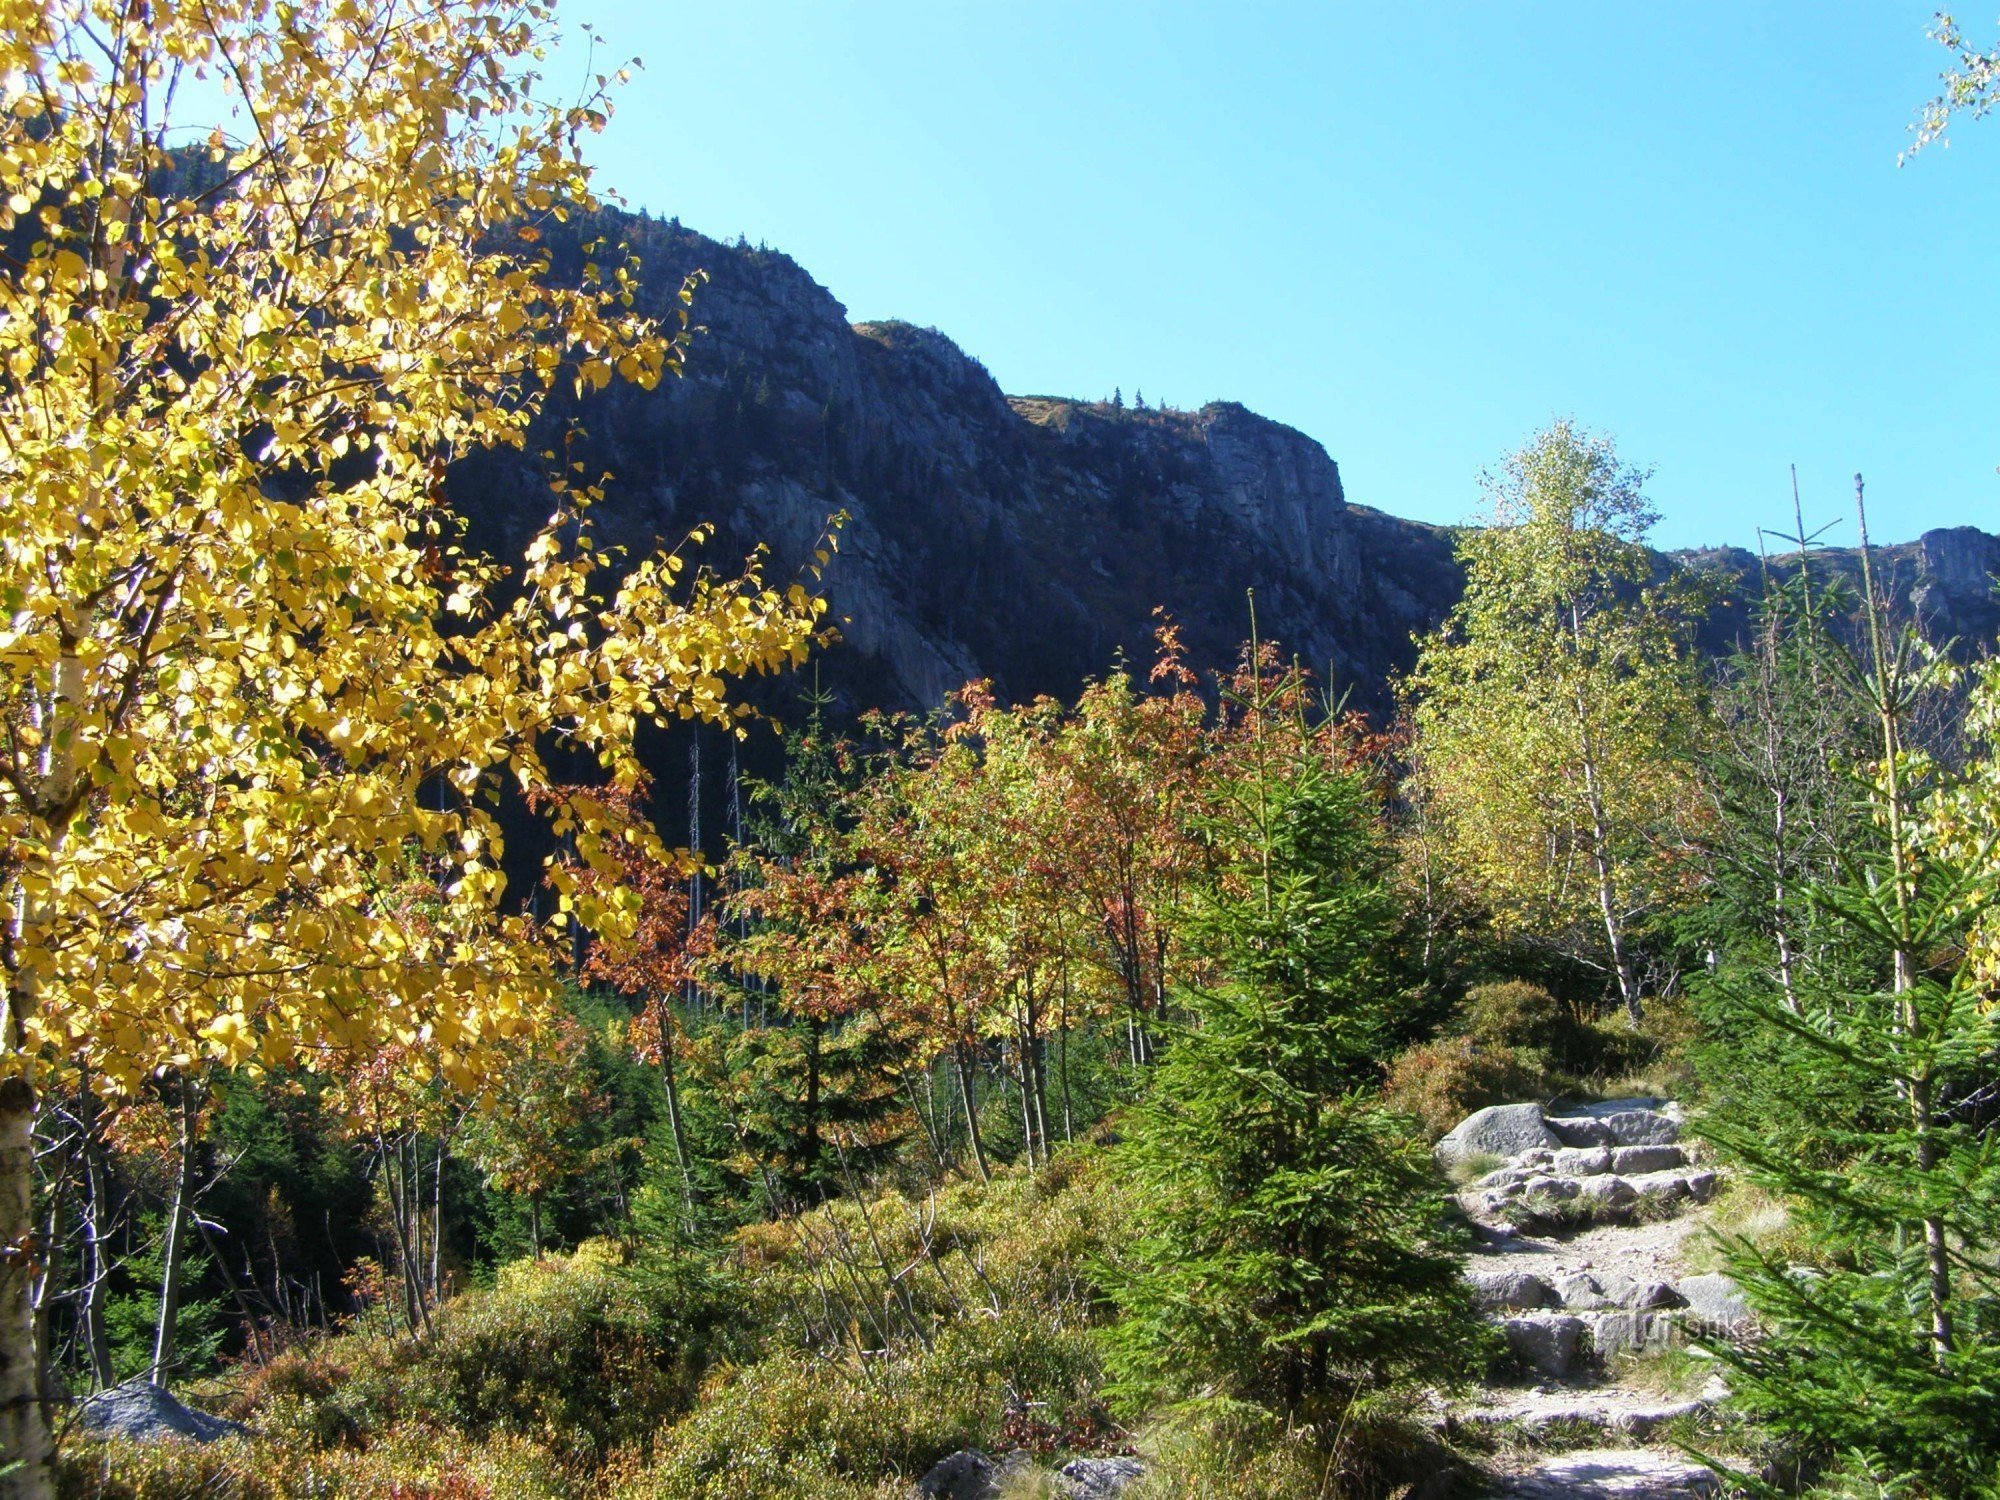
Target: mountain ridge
<point>1028,540</point>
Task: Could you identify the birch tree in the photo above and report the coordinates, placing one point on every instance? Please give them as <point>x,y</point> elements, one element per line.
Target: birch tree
<point>1550,708</point>
<point>238,634</point>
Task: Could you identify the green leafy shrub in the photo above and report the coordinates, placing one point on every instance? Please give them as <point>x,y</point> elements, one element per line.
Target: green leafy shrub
<point>1659,1058</point>
<point>89,1468</point>
<point>568,1352</point>
<point>759,1474</point>
<point>1243,1454</point>
<point>796,1424</point>
<point>1521,1016</point>
<point>579,1354</point>
<point>1247,1455</point>
<point>1441,1082</point>
<point>899,1329</point>
<point>902,1267</point>
<point>1540,1045</point>
<point>296,1395</point>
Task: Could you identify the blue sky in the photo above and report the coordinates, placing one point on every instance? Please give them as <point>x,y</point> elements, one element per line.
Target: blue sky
<point>1415,233</point>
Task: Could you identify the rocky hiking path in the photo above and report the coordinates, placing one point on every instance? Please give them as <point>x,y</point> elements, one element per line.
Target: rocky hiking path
<point>1584,1218</point>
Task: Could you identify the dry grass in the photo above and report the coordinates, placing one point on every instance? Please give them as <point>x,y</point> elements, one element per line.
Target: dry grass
<point>1029,1484</point>
<point>1674,1374</point>
<point>1666,1077</point>
<point>1469,1169</point>
<point>1744,1211</point>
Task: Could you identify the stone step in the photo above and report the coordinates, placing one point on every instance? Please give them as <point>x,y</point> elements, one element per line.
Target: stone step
<point>1631,1330</point>
<point>1624,1413</point>
<point>1501,1130</point>
<point>1655,1102</point>
<point>1549,1343</point>
<point>1509,1130</point>
<point>1611,1474</point>
<point>1559,1328</point>
<point>1498,1289</point>
<point>1586,1161</point>
<point>1625,1127</point>
<point>1716,1303</point>
<point>1602,1195</point>
<point>1672,1186</point>
<point>1582,1292</point>
<point>1559,1343</point>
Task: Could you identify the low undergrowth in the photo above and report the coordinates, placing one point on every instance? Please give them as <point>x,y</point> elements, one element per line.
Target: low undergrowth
<point>833,1356</point>
<point>403,1462</point>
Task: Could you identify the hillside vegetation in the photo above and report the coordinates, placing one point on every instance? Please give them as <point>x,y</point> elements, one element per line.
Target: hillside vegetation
<point>1058,1079</point>
<point>1040,1095</point>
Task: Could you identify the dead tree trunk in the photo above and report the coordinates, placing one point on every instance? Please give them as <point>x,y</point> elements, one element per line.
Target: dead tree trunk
<point>173,1253</point>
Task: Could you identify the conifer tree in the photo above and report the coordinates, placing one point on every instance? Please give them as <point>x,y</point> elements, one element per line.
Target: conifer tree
<point>1879,1361</point>
<point>1779,811</point>
<point>1289,1254</point>
<point>1777,803</point>
<point>812,1090</point>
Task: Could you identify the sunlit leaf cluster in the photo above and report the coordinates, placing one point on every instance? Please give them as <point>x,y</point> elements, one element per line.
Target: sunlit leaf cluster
<point>259,701</point>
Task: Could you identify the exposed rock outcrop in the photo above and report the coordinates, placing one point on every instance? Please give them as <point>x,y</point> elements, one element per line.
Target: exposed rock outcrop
<point>1954,589</point>
<point>965,1475</point>
<point>145,1412</point>
<point>1024,539</point>
<point>1097,1478</point>
<point>970,1475</point>
<point>1499,1130</point>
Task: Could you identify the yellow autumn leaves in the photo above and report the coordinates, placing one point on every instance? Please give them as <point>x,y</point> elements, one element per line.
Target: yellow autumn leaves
<point>247,768</point>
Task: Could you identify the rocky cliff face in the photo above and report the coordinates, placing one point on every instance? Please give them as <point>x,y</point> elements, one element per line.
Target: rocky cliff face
<point>1954,590</point>
<point>1947,580</point>
<point>1025,539</point>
